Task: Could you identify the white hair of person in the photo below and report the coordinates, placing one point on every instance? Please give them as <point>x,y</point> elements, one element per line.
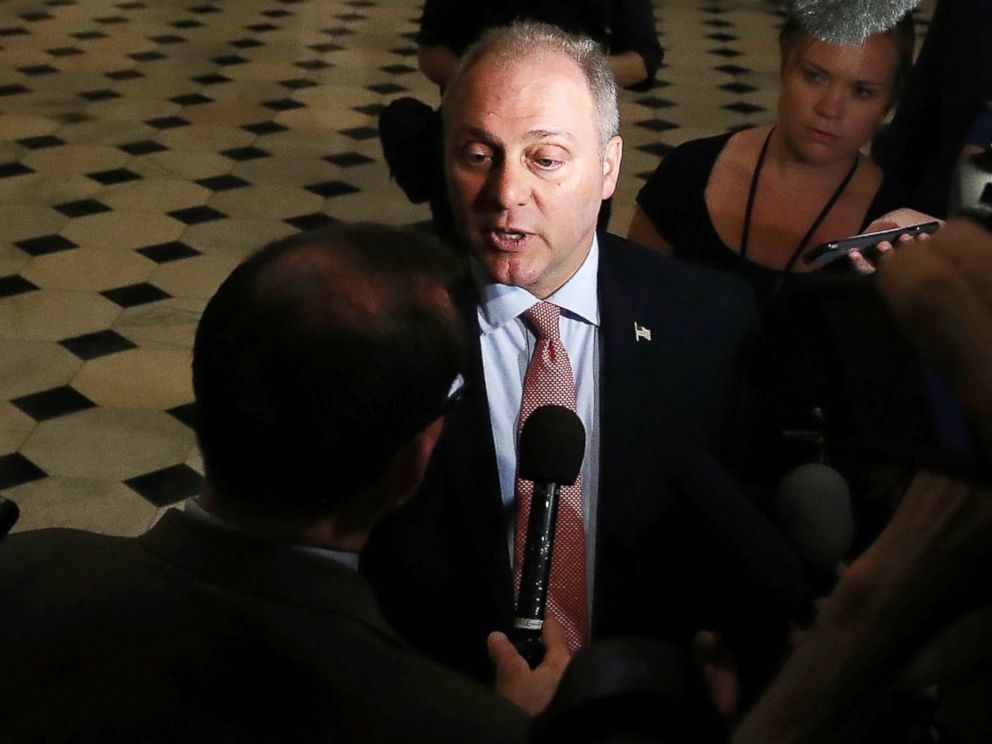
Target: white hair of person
<point>503,45</point>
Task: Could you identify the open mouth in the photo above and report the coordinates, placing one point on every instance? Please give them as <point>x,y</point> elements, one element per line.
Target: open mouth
<point>507,238</point>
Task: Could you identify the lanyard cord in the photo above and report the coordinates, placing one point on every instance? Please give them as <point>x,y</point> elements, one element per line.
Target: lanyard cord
<point>753,192</point>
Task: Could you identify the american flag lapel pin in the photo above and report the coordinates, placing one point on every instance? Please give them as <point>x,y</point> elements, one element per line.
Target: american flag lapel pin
<point>640,332</point>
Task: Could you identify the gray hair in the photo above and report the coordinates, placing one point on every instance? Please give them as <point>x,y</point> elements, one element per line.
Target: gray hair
<point>505,44</point>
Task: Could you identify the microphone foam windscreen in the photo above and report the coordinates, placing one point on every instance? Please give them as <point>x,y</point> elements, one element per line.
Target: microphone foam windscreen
<point>552,444</point>
<point>814,508</point>
<point>849,21</point>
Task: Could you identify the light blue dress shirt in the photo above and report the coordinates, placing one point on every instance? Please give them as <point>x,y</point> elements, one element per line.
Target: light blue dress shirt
<point>507,345</point>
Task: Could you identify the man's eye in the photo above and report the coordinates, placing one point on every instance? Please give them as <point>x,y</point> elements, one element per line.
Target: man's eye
<point>476,156</point>
<point>812,76</point>
<point>862,92</point>
<point>548,160</point>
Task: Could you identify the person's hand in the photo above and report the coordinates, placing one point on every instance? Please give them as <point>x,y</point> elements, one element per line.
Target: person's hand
<point>718,667</point>
<point>890,220</point>
<point>530,689</point>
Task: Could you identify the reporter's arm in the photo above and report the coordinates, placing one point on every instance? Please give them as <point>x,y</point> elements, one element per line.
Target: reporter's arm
<point>869,628</point>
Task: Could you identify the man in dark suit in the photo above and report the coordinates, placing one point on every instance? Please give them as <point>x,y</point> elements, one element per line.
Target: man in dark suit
<point>531,150</point>
<point>322,369</point>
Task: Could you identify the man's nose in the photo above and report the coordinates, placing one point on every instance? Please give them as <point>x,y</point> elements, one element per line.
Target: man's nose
<point>509,184</point>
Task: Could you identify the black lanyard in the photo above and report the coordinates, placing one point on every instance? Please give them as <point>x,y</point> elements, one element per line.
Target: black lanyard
<point>752,193</point>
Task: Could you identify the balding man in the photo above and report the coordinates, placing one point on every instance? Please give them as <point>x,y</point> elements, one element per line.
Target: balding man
<point>665,544</point>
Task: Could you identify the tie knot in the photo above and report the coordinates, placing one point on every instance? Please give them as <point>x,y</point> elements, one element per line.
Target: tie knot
<point>543,316</point>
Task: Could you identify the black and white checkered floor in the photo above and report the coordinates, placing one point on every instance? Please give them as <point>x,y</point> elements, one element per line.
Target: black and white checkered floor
<point>146,146</point>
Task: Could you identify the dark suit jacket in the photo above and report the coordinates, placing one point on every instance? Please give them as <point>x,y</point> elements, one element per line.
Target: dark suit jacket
<point>196,633</point>
<point>678,548</point>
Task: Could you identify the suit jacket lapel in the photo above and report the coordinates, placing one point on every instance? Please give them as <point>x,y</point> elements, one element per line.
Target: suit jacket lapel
<point>469,463</point>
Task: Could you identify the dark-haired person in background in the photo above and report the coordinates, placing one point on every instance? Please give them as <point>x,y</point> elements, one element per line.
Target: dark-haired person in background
<point>949,88</point>
<point>322,369</point>
<point>623,28</point>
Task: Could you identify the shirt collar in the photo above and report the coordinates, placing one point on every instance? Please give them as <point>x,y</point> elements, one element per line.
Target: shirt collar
<point>578,297</point>
<point>198,513</point>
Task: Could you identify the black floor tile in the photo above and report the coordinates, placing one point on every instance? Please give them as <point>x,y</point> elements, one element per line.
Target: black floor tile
<point>330,189</point>
<point>223,183</point>
<point>264,127</point>
<point>35,70</point>
<point>144,147</point>
<point>124,74</point>
<point>361,133</point>
<point>41,142</point>
<point>14,284</point>
<point>150,56</point>
<point>166,252</point>
<point>81,208</point>
<point>116,175</point>
<point>742,107</point>
<point>313,64</point>
<point>297,83</point>
<point>167,486</point>
<point>135,294</point>
<point>8,170</point>
<point>348,159</point>
<point>103,94</point>
<point>282,104</point>
<point>45,244</point>
<point>197,215</point>
<point>386,89</point>
<point>212,79</point>
<point>167,122</point>
<point>311,221</point>
<point>95,345</point>
<point>53,403</point>
<point>657,125</point>
<point>241,154</point>
<point>16,470</point>
<point>191,99</point>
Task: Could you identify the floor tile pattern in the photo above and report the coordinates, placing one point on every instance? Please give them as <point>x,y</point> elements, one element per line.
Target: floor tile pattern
<point>147,147</point>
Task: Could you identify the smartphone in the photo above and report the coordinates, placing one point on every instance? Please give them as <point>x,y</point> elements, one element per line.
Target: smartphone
<point>831,251</point>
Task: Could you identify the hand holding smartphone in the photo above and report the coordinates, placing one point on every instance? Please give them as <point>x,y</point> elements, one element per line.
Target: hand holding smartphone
<point>828,252</point>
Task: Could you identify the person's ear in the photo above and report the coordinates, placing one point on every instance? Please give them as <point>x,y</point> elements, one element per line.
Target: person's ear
<point>611,165</point>
<point>406,470</point>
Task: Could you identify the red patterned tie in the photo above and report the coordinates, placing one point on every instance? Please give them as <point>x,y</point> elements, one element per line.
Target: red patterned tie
<point>549,381</point>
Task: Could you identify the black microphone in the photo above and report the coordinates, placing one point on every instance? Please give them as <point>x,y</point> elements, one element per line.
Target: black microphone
<point>552,444</point>
<point>8,515</point>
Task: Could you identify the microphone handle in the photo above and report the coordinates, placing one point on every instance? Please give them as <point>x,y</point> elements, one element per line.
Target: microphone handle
<point>535,574</point>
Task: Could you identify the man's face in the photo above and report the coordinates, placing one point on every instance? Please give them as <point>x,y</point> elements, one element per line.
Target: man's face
<point>524,168</point>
